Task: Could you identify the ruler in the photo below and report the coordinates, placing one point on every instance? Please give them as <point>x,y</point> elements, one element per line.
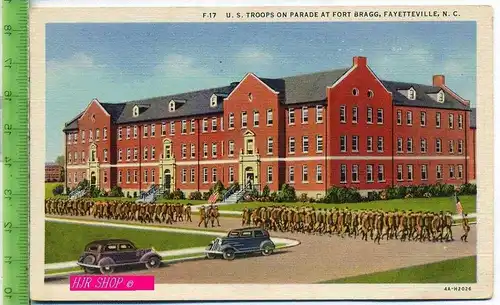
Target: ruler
<point>15,150</point>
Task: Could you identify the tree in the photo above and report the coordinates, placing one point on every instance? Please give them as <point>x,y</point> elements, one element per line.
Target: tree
<point>61,161</point>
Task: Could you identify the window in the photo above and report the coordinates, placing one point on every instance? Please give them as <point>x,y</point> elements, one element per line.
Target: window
<point>305,115</point>
<point>355,91</point>
<point>409,118</point>
<point>256,120</point>
<point>193,126</point>
<point>153,152</point>
<point>231,174</point>
<point>183,127</point>
<point>163,128</point>
<point>97,135</point>
<point>269,146</point>
<point>319,173</point>
<point>69,158</point>
<point>423,145</point>
<point>399,117</point>
<point>145,180</point>
<point>370,94</point>
<point>105,155</point>
<point>193,151</point>
<point>369,173</point>
<point>409,169</point>
<point>135,176</point>
<point>184,151</point>
<point>184,176</point>
<point>214,150</point>
<point>305,144</point>
<point>423,118</point>
<point>380,116</point>
<point>342,114</point>
<point>354,114</point>
<point>369,115</point>
<point>128,154</point>
<point>214,175</point>
<point>438,145</point>
<point>450,120</point>
<point>205,125</point>
<point>69,138</point>
<point>319,114</point>
<point>128,176</point>
<point>91,135</point>
<point>400,172</point>
<point>192,176</point>
<point>451,147</point>
<point>244,119</point>
<point>83,136</point>
<point>168,150</point>
<point>452,171</point>
<point>145,130</point>
<point>380,144</point>
<point>136,152</point>
<point>460,121</point>
<point>145,154</point>
<point>231,148</point>
<point>172,128</point>
<point>412,94</point>
<point>120,154</point>
<point>171,106</point>
<point>460,146</point>
<point>205,175</point>
<point>380,173</point>
<point>153,130</point>
<point>439,172</point>
<point>291,116</point>
<point>120,177</point>
<point>83,157</point>
<point>319,144</point>
<point>440,97</point>
<point>269,174</point>
<point>213,101</point>
<point>249,144</point>
<point>75,137</point>
<point>369,144</point>
<point>74,177</point>
<point>153,177</point>
<point>409,145</point>
<point>214,124</point>
<point>343,173</point>
<point>269,117</point>
<point>291,145</point>
<point>355,173</point>
<point>305,173</point>
<point>438,119</point>
<point>423,172</point>
<point>231,121</point>
<point>343,143</point>
<point>291,174</point>
<point>205,150</point>
<point>355,143</point>
<point>460,172</point>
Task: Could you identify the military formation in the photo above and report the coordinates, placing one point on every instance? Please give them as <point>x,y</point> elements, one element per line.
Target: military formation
<point>378,225</point>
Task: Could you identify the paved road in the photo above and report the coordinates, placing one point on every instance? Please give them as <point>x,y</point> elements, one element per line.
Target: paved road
<point>317,258</point>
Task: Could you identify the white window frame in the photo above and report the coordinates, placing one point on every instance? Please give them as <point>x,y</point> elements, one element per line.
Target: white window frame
<point>460,121</point>
<point>343,117</point>
<point>184,176</point>
<point>291,116</point>
<point>380,116</point>
<point>369,115</point>
<point>423,145</point>
<point>305,144</point>
<point>399,172</point>
<point>305,115</point>
<point>244,119</point>
<point>409,118</point>
<point>355,115</point>
<point>343,172</point>
<point>193,150</point>
<point>231,174</point>
<point>230,121</point>
<point>205,150</point>
<point>460,171</point>
<point>145,153</point>
<point>305,174</point>
<point>205,175</point>
<point>439,146</point>
<point>424,173</point>
<point>409,145</point>
<point>409,172</point>
<point>319,173</point>
<point>423,118</point>
<point>184,151</point>
<point>256,118</point>
<point>214,125</point>
<point>231,148</point>
<point>380,173</point>
<point>355,144</point>
<point>438,119</point>
<point>192,126</point>
<point>343,142</point>
<point>380,144</point>
<point>291,145</point>
<point>163,128</point>
<point>451,146</point>
<point>399,117</point>
<point>369,143</point>
<point>319,143</point>
<point>355,173</point>
<point>153,152</point>
<point>319,113</point>
<point>451,121</point>
<point>269,174</point>
<point>183,127</point>
<point>214,150</point>
<point>269,117</point>
<point>192,175</point>
<point>452,172</point>
<point>439,171</point>
<point>460,148</point>
<point>153,130</point>
<point>369,172</point>
<point>205,125</point>
<point>291,174</point>
<point>270,145</point>
<point>172,128</point>
<point>214,174</point>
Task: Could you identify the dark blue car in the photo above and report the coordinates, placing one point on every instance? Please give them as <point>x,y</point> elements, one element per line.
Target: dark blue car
<point>241,241</point>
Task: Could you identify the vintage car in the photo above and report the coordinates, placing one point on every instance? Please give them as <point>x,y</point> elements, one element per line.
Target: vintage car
<point>107,255</point>
<point>241,241</point>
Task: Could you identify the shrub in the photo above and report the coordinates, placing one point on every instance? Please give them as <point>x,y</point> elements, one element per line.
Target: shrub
<point>467,189</point>
<point>218,187</point>
<point>273,197</point>
<point>303,197</point>
<point>287,194</point>
<point>342,195</point>
<point>58,190</point>
<point>178,195</point>
<point>94,192</point>
<point>195,196</point>
<point>266,191</point>
<point>206,195</point>
<point>116,191</point>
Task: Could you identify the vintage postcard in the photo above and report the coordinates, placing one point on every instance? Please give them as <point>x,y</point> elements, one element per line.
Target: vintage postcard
<point>261,153</point>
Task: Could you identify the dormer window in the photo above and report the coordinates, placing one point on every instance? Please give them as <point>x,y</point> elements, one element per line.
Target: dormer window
<point>171,106</point>
<point>440,97</point>
<point>412,94</point>
<point>213,101</point>
<point>135,111</point>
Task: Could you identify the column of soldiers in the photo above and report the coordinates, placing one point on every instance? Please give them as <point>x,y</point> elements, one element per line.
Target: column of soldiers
<point>376,224</point>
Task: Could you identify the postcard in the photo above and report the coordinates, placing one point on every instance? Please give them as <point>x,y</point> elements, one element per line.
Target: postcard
<point>261,153</point>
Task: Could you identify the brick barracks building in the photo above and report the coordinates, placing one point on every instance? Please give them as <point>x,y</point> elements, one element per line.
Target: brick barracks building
<point>335,128</point>
<point>53,172</point>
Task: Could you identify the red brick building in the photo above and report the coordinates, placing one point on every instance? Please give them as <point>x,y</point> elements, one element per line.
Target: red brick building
<point>53,172</point>
<point>341,127</point>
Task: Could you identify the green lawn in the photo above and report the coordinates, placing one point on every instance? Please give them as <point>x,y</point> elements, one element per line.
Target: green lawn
<point>65,242</point>
<point>462,270</point>
<point>49,186</point>
<point>425,204</point>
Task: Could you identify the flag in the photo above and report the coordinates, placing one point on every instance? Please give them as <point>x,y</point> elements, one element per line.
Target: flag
<point>213,198</point>
<point>458,205</point>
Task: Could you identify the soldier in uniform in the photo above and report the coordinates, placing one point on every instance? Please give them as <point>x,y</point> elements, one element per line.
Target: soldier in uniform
<point>203,216</point>
<point>188,212</point>
<point>465,227</point>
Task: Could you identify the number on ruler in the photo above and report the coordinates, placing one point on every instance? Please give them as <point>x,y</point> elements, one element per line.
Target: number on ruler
<point>7,161</point>
<point>7,194</point>
<point>7,95</point>
<point>8,63</point>
<point>8,260</point>
<point>7,29</point>
<point>8,291</point>
<point>9,1</point>
<point>7,128</point>
<point>8,226</point>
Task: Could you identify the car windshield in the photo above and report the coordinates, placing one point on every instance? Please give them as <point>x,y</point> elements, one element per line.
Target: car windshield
<point>246,234</point>
<point>234,234</point>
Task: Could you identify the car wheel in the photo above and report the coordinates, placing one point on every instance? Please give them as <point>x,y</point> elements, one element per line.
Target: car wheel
<point>268,250</point>
<point>89,260</point>
<point>89,270</point>
<point>210,255</point>
<point>153,262</point>
<point>229,254</point>
<point>107,269</point>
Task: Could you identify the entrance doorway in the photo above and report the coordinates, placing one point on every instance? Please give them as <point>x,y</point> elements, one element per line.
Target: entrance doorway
<point>249,177</point>
<point>93,179</point>
<point>167,179</point>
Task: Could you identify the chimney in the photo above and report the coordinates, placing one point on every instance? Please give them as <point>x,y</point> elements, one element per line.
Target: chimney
<point>359,61</point>
<point>438,80</point>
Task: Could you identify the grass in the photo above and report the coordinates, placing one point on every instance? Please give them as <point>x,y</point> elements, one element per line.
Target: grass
<point>49,186</point>
<point>65,242</point>
<point>425,204</point>
<point>462,270</point>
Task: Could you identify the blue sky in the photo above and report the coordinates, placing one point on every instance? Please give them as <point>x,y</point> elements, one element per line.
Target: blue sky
<point>118,62</point>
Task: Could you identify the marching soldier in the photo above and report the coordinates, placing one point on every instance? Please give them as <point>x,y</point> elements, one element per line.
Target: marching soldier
<point>203,216</point>
<point>465,227</point>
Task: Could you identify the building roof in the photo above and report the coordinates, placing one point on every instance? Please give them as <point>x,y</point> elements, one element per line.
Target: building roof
<point>292,90</point>
<point>472,118</point>
<point>51,164</point>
